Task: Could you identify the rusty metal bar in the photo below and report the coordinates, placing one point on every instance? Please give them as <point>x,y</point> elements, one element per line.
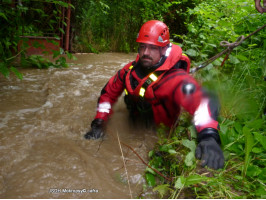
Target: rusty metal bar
<point>68,26</point>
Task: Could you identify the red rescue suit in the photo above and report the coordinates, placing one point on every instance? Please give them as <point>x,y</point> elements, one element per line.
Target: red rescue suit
<point>166,89</point>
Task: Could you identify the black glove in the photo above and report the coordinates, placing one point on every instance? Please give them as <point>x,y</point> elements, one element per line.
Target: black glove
<point>97,130</point>
<point>209,150</point>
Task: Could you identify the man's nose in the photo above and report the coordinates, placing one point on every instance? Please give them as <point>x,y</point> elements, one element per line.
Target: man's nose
<point>146,51</point>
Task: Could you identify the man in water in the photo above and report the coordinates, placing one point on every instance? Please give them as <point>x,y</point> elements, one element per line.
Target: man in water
<point>157,85</point>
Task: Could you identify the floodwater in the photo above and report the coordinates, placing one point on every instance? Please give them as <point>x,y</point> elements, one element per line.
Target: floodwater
<point>42,122</point>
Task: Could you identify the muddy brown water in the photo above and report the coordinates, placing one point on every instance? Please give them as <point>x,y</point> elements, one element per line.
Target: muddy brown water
<point>42,122</point>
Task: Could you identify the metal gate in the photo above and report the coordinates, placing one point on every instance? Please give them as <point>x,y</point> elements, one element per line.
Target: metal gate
<point>46,25</point>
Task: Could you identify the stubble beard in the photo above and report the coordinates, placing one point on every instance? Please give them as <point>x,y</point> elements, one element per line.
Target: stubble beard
<point>147,64</point>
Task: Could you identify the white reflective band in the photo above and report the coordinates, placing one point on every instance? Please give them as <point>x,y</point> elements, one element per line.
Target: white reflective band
<point>202,116</point>
<point>142,92</point>
<point>104,107</point>
<point>153,77</point>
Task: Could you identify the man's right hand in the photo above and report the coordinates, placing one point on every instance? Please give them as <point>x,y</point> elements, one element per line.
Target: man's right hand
<point>97,130</point>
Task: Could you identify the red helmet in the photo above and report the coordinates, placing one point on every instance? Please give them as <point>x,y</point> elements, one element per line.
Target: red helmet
<point>154,32</point>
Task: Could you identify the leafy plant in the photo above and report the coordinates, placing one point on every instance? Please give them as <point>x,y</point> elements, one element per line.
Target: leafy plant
<point>30,17</point>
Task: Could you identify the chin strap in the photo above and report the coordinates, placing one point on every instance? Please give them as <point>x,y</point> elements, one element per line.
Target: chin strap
<point>163,56</point>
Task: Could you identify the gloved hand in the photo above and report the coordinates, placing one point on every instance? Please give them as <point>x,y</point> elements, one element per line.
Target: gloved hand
<point>97,130</point>
<point>210,152</point>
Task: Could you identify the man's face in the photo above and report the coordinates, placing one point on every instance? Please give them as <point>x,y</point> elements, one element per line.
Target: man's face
<point>149,54</point>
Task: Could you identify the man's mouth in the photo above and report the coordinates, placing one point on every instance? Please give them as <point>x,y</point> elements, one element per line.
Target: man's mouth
<point>146,58</point>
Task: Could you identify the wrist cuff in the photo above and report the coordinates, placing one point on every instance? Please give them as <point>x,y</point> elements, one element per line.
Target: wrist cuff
<point>209,132</point>
<point>97,123</point>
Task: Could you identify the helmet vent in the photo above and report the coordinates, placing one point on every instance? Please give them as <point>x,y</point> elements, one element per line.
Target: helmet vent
<point>160,39</point>
<point>164,32</point>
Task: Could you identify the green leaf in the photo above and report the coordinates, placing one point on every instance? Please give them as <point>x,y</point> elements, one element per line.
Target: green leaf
<point>189,144</point>
<point>161,189</point>
<point>262,175</point>
<point>61,62</point>
<point>192,52</point>
<point>233,59</point>
<point>249,142</point>
<point>74,57</point>
<point>3,69</point>
<point>252,45</point>
<point>61,3</point>
<point>3,15</point>
<point>223,136</point>
<point>238,127</point>
<point>165,147</point>
<point>261,192</point>
<point>194,179</point>
<point>38,45</point>
<point>172,151</point>
<point>223,128</point>
<point>55,53</point>
<point>150,179</point>
<point>257,150</point>
<point>62,50</point>
<point>253,170</point>
<point>242,57</point>
<point>255,124</point>
<point>69,55</point>
<point>261,139</point>
<point>217,62</point>
<point>209,66</point>
<point>56,43</point>
<point>61,30</point>
<point>148,169</point>
<point>16,72</point>
<point>190,158</point>
<point>151,153</point>
<point>192,131</point>
<point>180,182</point>
<point>39,11</point>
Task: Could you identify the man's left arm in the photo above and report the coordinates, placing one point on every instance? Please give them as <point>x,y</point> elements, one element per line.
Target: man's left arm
<point>204,107</point>
<point>205,121</point>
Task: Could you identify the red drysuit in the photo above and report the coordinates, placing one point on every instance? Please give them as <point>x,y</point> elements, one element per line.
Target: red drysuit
<point>166,89</point>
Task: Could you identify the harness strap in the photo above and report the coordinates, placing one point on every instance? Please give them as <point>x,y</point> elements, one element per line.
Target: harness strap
<point>170,61</point>
<point>126,92</point>
<point>152,77</point>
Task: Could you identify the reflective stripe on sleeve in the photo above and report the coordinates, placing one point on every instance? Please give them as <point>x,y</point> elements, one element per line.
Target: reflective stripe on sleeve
<point>104,107</point>
<point>202,116</point>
